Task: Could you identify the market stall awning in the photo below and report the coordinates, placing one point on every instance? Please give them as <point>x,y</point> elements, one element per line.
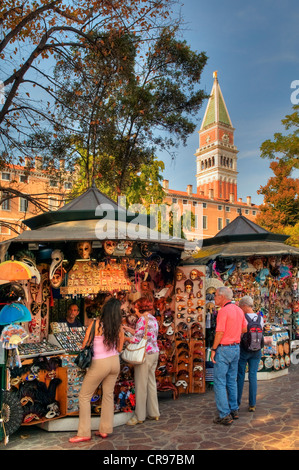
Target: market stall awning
<point>87,230</point>
<point>92,204</point>
<point>242,237</point>
<point>254,248</point>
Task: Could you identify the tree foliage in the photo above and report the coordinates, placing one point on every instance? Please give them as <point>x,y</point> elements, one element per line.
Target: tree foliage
<point>144,185</point>
<point>280,211</point>
<point>123,86</point>
<point>37,32</point>
<point>127,105</point>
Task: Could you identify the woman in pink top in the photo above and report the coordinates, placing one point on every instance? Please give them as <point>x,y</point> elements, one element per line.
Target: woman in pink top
<point>104,369</point>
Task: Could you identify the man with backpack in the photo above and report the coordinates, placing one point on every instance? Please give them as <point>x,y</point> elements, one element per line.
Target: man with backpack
<point>250,350</point>
<point>230,324</point>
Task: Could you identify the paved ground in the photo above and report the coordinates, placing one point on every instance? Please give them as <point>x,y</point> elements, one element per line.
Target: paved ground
<point>187,424</point>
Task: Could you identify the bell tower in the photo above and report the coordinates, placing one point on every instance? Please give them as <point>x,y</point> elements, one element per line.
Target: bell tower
<point>216,157</point>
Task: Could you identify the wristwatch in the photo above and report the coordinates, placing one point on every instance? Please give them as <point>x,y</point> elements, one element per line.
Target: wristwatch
<point>214,349</point>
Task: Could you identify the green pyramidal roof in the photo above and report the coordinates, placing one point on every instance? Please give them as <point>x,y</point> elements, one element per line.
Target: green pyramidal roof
<point>216,111</point>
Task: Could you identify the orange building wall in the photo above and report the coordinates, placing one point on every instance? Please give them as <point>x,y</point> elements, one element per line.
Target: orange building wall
<point>212,211</point>
<point>39,184</point>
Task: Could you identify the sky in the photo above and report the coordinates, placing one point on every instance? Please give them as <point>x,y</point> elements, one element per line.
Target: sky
<point>254,46</point>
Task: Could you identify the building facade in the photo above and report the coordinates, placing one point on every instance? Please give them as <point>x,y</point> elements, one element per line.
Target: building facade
<point>48,189</point>
<point>215,201</point>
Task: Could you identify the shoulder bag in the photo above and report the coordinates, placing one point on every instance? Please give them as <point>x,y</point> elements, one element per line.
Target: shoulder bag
<point>84,358</point>
<point>134,353</point>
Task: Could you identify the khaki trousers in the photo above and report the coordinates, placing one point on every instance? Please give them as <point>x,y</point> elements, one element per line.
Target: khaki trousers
<point>103,371</point>
<point>146,388</point>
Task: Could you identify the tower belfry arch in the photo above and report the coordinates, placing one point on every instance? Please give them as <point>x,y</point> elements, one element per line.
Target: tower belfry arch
<point>216,157</point>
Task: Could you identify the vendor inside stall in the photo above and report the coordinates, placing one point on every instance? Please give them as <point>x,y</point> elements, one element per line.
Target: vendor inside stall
<point>71,318</point>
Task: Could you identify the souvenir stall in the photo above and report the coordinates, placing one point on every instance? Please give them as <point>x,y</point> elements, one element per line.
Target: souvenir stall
<point>255,262</point>
<point>68,262</point>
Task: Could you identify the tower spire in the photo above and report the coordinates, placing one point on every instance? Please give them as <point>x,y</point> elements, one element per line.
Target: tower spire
<point>217,155</point>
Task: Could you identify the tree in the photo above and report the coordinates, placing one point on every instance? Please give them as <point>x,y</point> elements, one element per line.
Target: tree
<point>35,34</point>
<point>280,211</point>
<point>127,108</point>
<point>35,31</point>
<point>131,88</point>
<point>144,186</point>
<point>281,203</point>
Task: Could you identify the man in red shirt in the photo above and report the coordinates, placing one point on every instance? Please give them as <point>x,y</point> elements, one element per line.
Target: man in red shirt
<point>231,323</point>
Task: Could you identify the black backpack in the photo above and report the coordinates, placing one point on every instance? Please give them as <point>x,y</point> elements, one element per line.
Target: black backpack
<point>253,339</point>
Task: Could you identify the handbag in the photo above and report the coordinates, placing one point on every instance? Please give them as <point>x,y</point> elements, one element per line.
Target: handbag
<point>134,353</point>
<point>84,358</point>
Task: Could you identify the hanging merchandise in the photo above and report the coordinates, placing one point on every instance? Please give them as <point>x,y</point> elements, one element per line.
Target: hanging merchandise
<point>14,271</point>
<point>12,292</point>
<point>11,337</point>
<point>88,278</point>
<point>272,283</point>
<point>28,258</point>
<point>11,414</point>
<point>189,327</point>
<point>14,312</point>
<point>89,282</point>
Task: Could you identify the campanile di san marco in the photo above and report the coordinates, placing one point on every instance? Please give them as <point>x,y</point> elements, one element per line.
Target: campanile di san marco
<point>216,157</point>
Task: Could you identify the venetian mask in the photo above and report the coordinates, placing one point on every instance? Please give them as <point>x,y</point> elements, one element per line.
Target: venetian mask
<point>188,286</point>
<point>57,278</point>
<point>128,248</point>
<point>179,275</point>
<point>84,249</point>
<point>109,247</point>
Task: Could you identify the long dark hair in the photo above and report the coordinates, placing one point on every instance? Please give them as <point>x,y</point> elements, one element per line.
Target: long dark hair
<point>111,319</point>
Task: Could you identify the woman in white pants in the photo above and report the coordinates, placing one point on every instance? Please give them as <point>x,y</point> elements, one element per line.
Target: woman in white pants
<point>144,374</point>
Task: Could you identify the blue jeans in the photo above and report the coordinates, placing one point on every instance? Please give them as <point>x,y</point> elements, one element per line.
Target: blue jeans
<point>252,358</point>
<point>225,379</point>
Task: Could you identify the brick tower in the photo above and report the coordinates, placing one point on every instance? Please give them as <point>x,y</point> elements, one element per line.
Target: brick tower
<point>216,157</point>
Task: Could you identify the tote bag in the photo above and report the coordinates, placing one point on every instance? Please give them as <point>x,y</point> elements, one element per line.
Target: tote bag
<point>135,353</point>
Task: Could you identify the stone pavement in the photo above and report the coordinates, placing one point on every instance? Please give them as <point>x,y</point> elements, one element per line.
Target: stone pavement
<point>187,424</point>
